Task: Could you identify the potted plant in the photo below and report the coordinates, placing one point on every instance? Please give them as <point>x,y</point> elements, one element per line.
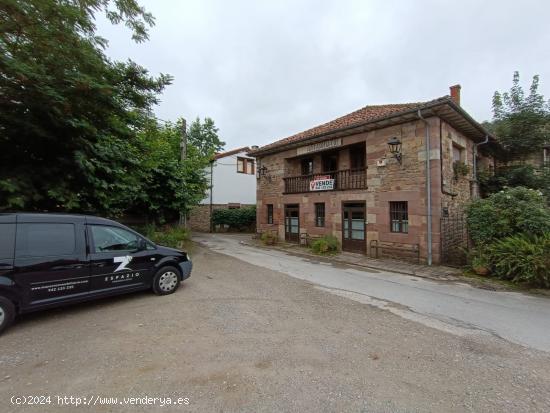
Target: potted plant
<point>480,262</point>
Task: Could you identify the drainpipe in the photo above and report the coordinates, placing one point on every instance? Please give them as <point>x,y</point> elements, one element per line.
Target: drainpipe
<point>211,192</point>
<point>428,188</point>
<point>475,155</point>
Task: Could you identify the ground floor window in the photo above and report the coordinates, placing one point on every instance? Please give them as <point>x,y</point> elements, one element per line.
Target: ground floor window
<point>270,213</point>
<point>399,217</point>
<point>320,214</point>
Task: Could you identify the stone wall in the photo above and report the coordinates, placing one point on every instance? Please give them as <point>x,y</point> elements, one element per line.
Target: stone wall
<point>391,182</point>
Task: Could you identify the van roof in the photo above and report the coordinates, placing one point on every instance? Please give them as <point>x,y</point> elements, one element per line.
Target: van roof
<point>10,217</point>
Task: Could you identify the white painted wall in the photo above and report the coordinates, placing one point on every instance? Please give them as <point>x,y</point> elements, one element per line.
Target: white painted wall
<point>229,186</point>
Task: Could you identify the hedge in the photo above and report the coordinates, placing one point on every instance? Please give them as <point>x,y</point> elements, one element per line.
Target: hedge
<point>240,219</point>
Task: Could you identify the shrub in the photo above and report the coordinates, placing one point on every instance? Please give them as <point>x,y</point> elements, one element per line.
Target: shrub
<point>168,236</point>
<point>515,175</point>
<point>510,211</point>
<point>522,258</point>
<point>327,244</point>
<point>460,169</point>
<point>240,219</point>
<point>269,238</point>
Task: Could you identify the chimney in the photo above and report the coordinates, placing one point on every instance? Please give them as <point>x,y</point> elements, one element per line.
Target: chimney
<point>455,94</point>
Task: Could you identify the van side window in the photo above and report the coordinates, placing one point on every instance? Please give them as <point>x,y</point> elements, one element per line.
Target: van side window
<point>107,239</point>
<point>7,241</point>
<point>45,240</point>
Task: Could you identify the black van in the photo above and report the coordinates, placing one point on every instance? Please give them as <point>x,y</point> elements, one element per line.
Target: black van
<point>47,260</point>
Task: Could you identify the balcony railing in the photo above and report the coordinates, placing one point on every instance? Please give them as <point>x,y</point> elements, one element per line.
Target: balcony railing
<point>327,181</point>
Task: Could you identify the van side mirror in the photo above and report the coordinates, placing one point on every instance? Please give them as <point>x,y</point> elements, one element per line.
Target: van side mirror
<point>141,245</point>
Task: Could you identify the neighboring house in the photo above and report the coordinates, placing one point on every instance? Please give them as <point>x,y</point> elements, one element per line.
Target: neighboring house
<point>540,159</point>
<point>232,177</point>
<point>342,178</point>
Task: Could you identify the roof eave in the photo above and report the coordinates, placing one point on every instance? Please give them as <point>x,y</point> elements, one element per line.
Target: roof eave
<point>391,120</point>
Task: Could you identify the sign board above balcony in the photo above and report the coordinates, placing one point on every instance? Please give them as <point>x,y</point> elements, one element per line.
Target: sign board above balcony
<point>322,183</point>
<point>321,146</point>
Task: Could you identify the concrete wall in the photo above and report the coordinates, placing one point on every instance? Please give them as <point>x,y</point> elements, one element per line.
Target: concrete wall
<point>229,186</point>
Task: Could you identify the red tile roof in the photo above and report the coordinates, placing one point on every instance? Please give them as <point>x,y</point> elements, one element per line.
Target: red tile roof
<point>231,152</point>
<point>363,115</point>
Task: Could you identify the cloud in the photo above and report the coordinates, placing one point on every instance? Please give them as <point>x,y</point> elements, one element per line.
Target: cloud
<point>264,70</point>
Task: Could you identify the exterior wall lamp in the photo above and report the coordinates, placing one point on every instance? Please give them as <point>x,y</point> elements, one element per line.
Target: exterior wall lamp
<point>394,145</point>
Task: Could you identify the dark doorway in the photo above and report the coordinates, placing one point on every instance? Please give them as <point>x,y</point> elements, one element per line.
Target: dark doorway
<point>353,227</point>
<point>292,222</point>
<point>357,155</point>
<point>330,162</point>
<point>307,166</point>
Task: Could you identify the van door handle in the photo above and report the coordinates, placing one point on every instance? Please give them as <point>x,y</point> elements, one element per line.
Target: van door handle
<point>98,264</point>
<point>68,267</point>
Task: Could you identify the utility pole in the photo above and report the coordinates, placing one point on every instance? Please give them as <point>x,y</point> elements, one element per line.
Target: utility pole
<point>183,155</point>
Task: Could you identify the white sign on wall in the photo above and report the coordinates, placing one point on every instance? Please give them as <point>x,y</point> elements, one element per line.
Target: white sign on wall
<point>321,146</point>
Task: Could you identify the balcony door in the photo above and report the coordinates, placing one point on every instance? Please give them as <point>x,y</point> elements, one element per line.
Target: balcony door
<point>292,223</point>
<point>330,162</point>
<point>353,227</point>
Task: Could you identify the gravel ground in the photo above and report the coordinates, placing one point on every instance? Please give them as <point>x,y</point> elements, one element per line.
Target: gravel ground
<point>237,337</point>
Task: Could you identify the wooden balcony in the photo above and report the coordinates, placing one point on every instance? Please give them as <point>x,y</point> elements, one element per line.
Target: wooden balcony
<point>343,180</point>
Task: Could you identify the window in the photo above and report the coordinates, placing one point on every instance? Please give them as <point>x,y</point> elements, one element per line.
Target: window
<point>245,166</point>
<point>458,154</point>
<point>250,166</point>
<point>7,241</point>
<point>307,166</point>
<point>44,240</point>
<point>399,217</point>
<point>270,213</point>
<point>107,239</point>
<point>320,214</point>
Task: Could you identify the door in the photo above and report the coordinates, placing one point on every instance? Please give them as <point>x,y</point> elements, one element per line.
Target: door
<point>119,259</point>
<point>292,223</point>
<point>353,227</point>
<point>50,262</point>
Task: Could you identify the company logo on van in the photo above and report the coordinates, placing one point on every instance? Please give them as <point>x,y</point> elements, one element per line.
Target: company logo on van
<point>124,261</point>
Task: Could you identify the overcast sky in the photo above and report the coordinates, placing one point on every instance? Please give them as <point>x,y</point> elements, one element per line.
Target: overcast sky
<point>264,70</point>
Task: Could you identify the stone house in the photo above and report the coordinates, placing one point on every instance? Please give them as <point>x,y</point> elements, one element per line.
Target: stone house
<point>232,177</point>
<point>363,177</point>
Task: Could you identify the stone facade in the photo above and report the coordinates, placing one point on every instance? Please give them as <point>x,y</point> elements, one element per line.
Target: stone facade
<point>387,180</point>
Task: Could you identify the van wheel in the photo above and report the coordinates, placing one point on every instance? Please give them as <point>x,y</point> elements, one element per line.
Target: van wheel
<point>7,313</point>
<point>166,281</point>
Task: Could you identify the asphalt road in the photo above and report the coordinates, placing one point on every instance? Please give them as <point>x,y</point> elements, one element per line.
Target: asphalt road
<point>454,307</point>
<point>239,337</point>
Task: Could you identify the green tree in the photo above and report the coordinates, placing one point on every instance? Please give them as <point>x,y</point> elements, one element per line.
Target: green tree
<point>168,186</point>
<point>68,114</point>
<point>204,136</point>
<point>521,122</point>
